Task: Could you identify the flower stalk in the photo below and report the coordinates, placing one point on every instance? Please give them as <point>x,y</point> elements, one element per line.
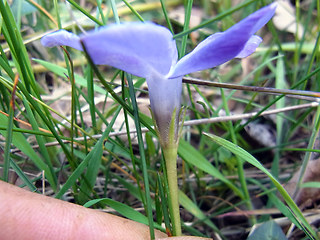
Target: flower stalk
<point>170,152</point>
<point>170,156</point>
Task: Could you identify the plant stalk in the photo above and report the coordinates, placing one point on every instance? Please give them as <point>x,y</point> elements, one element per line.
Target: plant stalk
<point>170,155</point>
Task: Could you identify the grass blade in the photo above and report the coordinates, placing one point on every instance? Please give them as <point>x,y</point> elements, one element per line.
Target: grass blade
<point>123,209</point>
<point>193,157</point>
<point>249,158</point>
<point>95,152</point>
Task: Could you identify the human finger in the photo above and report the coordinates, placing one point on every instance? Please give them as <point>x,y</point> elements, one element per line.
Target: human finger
<point>26,215</point>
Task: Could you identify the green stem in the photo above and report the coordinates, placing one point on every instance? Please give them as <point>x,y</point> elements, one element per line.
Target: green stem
<point>170,155</point>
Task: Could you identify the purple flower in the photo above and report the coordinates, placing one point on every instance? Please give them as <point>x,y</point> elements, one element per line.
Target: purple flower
<point>148,50</point>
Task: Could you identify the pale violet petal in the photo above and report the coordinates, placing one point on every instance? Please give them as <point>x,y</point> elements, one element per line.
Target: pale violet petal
<point>250,47</point>
<point>222,47</point>
<point>61,38</point>
<point>137,48</point>
<point>259,18</point>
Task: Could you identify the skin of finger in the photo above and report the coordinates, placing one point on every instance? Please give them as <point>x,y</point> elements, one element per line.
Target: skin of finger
<point>26,215</point>
<point>186,238</point>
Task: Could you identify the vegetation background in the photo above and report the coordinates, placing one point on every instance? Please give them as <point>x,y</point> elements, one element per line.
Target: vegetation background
<point>67,134</point>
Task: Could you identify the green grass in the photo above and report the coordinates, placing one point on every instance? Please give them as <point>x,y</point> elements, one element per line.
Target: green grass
<point>102,164</point>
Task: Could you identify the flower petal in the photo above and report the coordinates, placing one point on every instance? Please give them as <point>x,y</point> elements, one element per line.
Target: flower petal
<point>61,37</point>
<point>250,47</point>
<point>137,48</point>
<point>222,47</point>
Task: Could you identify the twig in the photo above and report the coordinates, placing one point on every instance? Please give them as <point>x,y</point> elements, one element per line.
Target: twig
<point>248,115</point>
<point>194,122</point>
<point>251,88</point>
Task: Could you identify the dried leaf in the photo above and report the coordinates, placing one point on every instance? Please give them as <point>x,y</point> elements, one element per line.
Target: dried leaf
<point>285,18</point>
<point>305,196</point>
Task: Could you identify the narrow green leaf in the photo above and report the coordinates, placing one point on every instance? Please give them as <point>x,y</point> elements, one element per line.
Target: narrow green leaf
<point>81,9</point>
<point>310,185</point>
<point>8,146</point>
<point>280,84</point>
<point>266,231</point>
<point>40,139</point>
<point>133,10</point>
<point>23,176</point>
<point>124,210</point>
<point>212,20</point>
<point>249,158</point>
<point>62,72</point>
<point>189,154</point>
<point>164,203</point>
<point>132,188</point>
<point>21,143</point>
<point>90,99</point>
<point>148,204</point>
<point>83,165</point>
<point>166,15</point>
<point>190,206</point>
<point>187,16</point>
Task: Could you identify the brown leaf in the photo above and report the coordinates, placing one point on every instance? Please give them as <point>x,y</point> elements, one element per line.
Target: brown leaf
<point>305,196</point>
